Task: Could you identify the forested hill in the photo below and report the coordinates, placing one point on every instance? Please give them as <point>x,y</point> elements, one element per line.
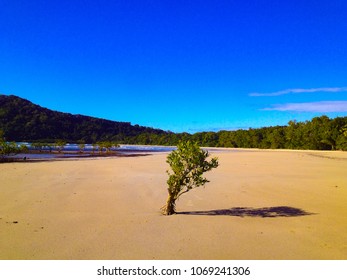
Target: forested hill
<point>21,120</point>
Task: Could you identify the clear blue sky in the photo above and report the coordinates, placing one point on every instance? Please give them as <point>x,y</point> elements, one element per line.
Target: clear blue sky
<point>178,65</point>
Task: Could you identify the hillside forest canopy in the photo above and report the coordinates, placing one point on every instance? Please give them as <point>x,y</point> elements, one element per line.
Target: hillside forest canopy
<point>21,120</point>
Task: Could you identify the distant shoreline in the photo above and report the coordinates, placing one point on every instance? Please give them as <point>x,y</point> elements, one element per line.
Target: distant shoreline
<point>139,151</point>
<point>71,151</point>
<point>37,157</point>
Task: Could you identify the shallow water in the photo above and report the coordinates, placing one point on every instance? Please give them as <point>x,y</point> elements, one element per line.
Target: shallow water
<point>73,151</point>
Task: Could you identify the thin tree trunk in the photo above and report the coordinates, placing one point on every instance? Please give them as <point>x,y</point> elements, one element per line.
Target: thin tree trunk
<point>169,208</point>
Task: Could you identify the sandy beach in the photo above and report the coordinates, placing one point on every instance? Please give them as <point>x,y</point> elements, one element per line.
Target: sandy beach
<point>259,204</point>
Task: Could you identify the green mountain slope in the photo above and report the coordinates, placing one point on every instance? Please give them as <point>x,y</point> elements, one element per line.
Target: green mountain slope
<point>21,120</point>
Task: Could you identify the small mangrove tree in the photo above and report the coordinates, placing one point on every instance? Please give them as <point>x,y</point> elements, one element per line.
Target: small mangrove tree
<point>188,163</point>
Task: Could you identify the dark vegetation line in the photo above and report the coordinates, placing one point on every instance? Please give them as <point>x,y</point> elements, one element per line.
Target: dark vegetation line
<point>21,120</point>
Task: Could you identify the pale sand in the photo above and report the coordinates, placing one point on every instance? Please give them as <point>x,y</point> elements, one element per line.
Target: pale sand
<point>109,209</point>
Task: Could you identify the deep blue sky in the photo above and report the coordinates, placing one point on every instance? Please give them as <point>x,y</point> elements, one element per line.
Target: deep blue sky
<point>178,65</point>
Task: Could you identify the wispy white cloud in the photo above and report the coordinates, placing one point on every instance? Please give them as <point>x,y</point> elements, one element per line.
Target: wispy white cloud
<point>300,90</point>
<point>316,107</point>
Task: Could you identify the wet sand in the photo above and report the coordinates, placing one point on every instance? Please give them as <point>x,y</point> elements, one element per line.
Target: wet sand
<point>259,205</point>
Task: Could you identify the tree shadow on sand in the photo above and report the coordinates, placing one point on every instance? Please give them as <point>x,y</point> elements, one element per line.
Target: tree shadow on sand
<point>267,212</point>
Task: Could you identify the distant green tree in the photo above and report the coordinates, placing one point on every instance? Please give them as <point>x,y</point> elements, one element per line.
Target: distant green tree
<point>344,131</point>
<point>23,148</point>
<point>106,145</point>
<point>81,146</point>
<point>225,139</point>
<point>188,164</point>
<point>294,135</point>
<point>276,138</point>
<point>115,145</point>
<point>60,144</point>
<point>341,142</point>
<point>8,148</point>
<point>210,139</point>
<point>101,146</point>
<point>37,146</point>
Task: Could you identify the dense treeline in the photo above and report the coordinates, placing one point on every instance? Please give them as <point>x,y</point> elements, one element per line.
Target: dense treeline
<point>321,133</point>
<point>23,121</point>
